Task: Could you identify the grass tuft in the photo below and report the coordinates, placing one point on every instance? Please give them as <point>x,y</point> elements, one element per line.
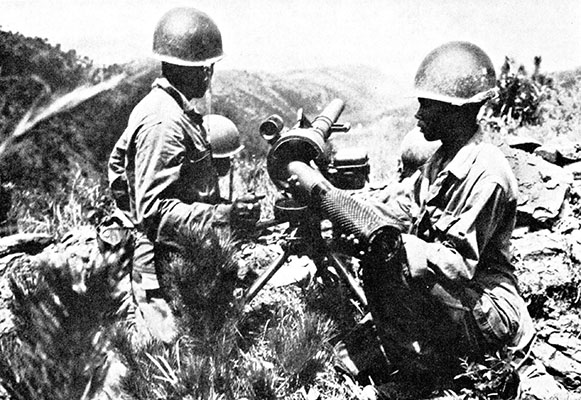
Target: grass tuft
<point>60,346</point>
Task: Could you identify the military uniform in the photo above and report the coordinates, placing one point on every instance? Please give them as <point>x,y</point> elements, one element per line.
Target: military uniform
<point>458,218</point>
<point>162,177</point>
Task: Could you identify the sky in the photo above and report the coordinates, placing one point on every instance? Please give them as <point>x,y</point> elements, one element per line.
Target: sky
<point>277,35</point>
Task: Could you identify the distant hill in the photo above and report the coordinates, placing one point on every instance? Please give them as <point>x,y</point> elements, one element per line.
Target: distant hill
<point>568,78</point>
<point>248,97</point>
<point>36,75</point>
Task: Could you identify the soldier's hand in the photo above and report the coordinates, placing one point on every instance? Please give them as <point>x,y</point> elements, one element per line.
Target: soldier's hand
<point>417,262</point>
<point>245,212</point>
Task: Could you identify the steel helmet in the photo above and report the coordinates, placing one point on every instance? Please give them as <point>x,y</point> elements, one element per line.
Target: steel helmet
<point>457,73</point>
<point>188,37</point>
<point>223,136</point>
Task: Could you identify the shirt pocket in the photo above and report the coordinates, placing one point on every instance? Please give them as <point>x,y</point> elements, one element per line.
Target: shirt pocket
<point>199,178</point>
<point>444,222</point>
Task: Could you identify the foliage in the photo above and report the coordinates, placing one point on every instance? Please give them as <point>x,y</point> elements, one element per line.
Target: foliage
<point>297,341</point>
<point>249,175</point>
<point>60,346</point>
<point>199,272</point>
<point>558,115</point>
<point>81,201</point>
<point>219,352</point>
<point>494,378</point>
<point>35,76</point>
<point>520,95</point>
<point>25,56</point>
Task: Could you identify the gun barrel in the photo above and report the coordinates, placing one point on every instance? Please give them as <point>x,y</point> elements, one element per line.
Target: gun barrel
<point>328,117</point>
<point>347,213</point>
<point>307,178</point>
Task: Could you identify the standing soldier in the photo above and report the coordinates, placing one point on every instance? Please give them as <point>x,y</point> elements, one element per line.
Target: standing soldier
<point>161,171</point>
<point>455,294</point>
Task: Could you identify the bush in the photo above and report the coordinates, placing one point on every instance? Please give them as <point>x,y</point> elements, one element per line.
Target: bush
<point>520,95</point>
<point>79,202</point>
<point>63,322</point>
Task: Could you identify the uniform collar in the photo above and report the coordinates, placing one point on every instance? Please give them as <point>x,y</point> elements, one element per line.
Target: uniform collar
<point>179,97</point>
<point>463,160</point>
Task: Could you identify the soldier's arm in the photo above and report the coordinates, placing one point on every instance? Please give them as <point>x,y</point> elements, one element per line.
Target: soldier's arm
<point>160,154</point>
<point>461,238</point>
<point>117,173</point>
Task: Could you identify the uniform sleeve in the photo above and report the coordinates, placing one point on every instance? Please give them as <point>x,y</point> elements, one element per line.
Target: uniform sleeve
<point>117,173</point>
<point>397,203</point>
<point>462,238</point>
<point>160,154</point>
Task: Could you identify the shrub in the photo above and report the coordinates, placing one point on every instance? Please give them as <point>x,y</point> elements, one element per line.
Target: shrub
<point>82,201</point>
<point>60,346</point>
<point>520,95</point>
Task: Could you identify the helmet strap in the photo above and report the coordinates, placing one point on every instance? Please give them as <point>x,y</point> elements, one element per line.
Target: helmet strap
<point>209,97</point>
<point>230,182</point>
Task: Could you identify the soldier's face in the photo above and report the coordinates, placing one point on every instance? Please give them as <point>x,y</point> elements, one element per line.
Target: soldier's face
<point>196,80</point>
<point>222,165</point>
<point>436,119</point>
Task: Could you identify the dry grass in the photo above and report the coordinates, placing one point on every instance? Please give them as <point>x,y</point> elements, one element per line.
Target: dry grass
<point>83,201</point>
<point>61,342</point>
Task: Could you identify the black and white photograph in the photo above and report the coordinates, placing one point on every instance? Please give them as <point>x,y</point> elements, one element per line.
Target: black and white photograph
<point>290,199</point>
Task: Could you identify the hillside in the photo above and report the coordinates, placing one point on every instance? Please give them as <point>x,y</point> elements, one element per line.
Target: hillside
<point>36,76</point>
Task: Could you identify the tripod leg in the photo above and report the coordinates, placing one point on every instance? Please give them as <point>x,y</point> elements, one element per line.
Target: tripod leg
<point>266,275</point>
<point>342,270</point>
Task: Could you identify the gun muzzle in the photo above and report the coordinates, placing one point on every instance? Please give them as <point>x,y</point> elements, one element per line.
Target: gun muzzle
<point>324,122</point>
<point>305,142</point>
<point>271,128</point>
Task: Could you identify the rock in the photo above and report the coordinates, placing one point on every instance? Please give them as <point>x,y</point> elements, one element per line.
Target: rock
<point>522,142</point>
<point>568,223</point>
<point>574,169</point>
<point>574,241</point>
<point>536,383</point>
<point>543,187</point>
<point>296,270</point>
<point>543,242</point>
<point>520,232</point>
<point>537,275</point>
<point>560,151</point>
<point>564,342</point>
<point>548,152</point>
<point>545,270</point>
<point>555,360</point>
<point>31,243</point>
<point>571,154</point>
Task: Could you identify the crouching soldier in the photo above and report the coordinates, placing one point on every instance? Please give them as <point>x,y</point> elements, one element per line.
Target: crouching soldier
<point>454,292</point>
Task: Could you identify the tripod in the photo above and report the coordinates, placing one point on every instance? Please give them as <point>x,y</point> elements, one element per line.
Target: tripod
<point>305,239</point>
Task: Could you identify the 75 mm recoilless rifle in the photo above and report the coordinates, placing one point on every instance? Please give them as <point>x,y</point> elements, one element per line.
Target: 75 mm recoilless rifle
<point>313,186</point>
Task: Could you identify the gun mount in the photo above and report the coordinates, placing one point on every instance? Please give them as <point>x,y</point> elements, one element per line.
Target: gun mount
<point>298,164</point>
